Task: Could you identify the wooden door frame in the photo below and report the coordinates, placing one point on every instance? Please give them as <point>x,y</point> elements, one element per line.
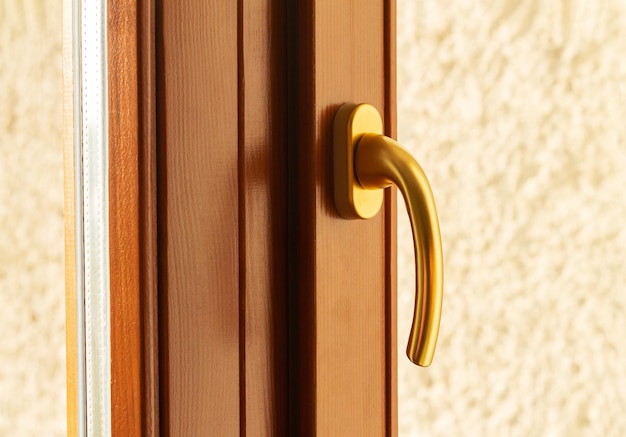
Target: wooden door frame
<point>133,212</point>
<point>133,218</point>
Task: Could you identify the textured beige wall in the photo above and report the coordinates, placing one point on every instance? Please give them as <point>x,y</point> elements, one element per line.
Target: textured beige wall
<point>517,112</point>
<point>32,313</point>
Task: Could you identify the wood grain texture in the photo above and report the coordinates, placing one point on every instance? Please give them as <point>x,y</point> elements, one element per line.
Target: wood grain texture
<point>345,267</point>
<point>148,216</point>
<point>262,189</point>
<point>197,114</point>
<point>126,350</point>
<point>132,218</point>
<point>69,213</point>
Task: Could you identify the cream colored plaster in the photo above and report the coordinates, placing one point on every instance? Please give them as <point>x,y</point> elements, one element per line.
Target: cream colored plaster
<point>32,312</point>
<point>517,112</point>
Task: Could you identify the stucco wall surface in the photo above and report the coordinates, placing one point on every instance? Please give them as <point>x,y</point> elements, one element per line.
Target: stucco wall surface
<point>517,112</point>
<point>32,313</point>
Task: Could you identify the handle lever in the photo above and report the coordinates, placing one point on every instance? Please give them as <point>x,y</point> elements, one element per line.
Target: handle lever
<point>365,162</point>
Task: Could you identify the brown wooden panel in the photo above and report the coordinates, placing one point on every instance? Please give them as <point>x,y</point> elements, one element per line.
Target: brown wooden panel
<point>197,76</point>
<point>126,350</point>
<point>262,100</point>
<point>346,272</point>
<point>148,216</point>
<point>132,218</point>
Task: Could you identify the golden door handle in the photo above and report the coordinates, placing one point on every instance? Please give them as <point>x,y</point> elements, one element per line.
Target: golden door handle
<point>365,162</point>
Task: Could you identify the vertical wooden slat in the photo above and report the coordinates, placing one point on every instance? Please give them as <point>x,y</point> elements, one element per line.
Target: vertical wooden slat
<point>345,266</point>
<point>126,341</point>
<point>197,136</point>
<point>351,396</point>
<point>262,147</point>
<point>132,218</point>
<point>148,216</point>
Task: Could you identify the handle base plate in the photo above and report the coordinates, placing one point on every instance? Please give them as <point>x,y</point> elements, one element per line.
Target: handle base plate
<point>351,199</point>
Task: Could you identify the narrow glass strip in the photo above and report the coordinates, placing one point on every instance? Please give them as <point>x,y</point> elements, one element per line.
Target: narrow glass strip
<point>95,217</point>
